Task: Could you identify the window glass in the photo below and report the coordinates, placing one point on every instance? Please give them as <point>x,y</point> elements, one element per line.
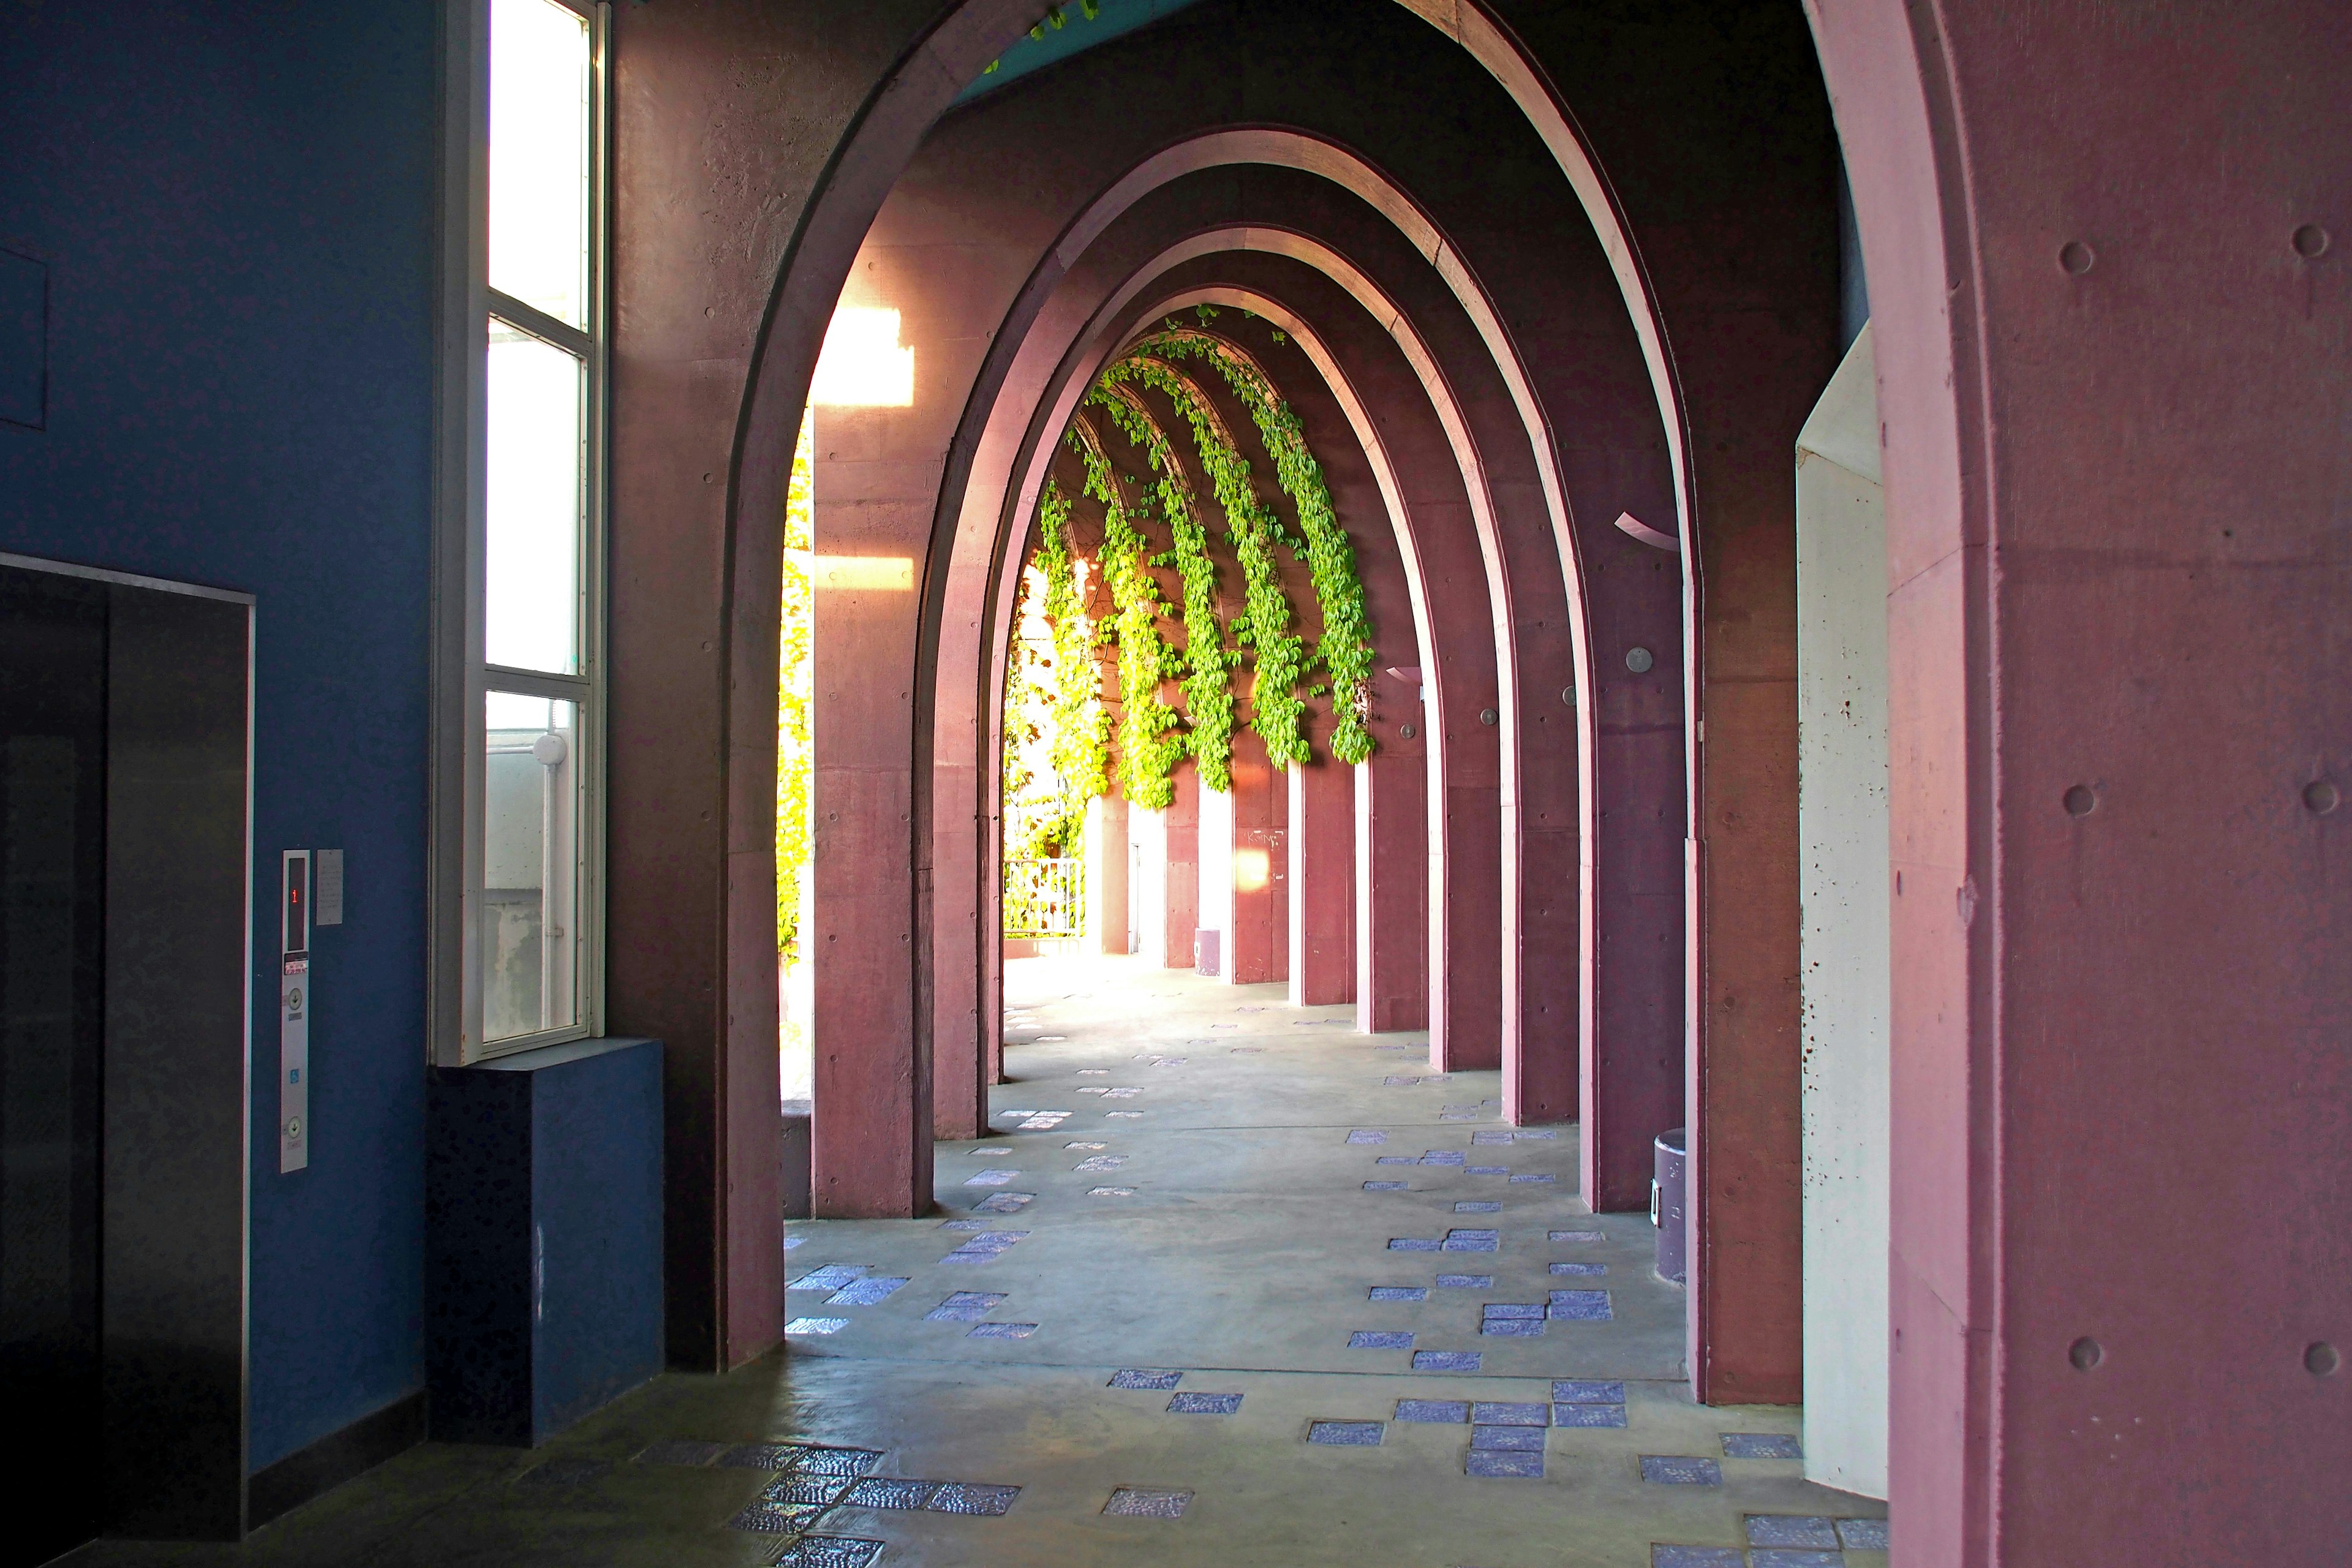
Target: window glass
<point>540,83</point>
<point>531,573</point>
<point>531,884</point>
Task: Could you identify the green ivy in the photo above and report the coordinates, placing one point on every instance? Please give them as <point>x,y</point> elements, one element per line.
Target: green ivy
<point>1345,648</point>
<point>795,689</point>
<point>1147,752</point>
<point>1081,730</point>
<point>1279,655</point>
<point>1208,662</point>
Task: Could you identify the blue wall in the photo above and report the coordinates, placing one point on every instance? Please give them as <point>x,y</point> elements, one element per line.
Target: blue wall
<point>235,204</point>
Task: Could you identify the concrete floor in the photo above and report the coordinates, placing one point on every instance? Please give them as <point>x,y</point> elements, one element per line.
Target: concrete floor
<point>1234,1243</point>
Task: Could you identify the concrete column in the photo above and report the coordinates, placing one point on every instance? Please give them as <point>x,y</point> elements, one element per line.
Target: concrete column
<point>1215,864</point>
<point>1181,916</point>
<point>1106,860</point>
<point>1392,890</point>
<point>871,1128</point>
<point>1322,812</point>
<point>1260,880</point>
<point>1845,887</point>
<point>1147,888</point>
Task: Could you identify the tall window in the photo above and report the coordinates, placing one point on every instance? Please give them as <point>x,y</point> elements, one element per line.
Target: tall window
<point>534,900</point>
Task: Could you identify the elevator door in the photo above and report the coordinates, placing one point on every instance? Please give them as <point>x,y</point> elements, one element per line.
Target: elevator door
<point>53,652</point>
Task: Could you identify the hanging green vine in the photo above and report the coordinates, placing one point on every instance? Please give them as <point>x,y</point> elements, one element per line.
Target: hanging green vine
<point>1208,662</point>
<point>1147,751</point>
<point>1080,729</point>
<point>1251,526</point>
<point>1345,648</point>
<point>1153,737</point>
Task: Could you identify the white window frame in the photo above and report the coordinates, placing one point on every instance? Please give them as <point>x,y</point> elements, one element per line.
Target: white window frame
<point>462,678</point>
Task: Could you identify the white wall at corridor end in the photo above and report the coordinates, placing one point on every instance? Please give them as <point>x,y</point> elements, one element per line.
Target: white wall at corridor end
<point>1843,882</point>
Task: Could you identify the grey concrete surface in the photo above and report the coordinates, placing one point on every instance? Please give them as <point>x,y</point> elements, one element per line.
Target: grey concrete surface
<point>1241,1259</point>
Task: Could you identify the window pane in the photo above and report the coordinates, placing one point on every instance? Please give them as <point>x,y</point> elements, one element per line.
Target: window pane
<point>531,600</point>
<point>539,156</point>
<point>529,926</point>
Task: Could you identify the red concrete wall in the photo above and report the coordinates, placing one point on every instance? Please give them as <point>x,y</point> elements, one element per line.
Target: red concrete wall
<point>2117,574</point>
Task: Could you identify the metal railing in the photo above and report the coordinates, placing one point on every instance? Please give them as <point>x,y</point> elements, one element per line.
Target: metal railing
<point>1045,898</point>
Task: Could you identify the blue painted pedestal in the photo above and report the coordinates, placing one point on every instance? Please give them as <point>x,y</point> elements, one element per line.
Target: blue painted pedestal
<point>543,1243</point>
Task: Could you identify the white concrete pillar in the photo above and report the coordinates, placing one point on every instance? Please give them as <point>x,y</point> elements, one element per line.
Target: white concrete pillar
<point>1147,879</point>
<point>1217,875</point>
<point>1842,824</point>
<point>1106,860</point>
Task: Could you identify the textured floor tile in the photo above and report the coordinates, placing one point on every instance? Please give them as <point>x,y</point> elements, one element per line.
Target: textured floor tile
<point>1586,1271</point>
<point>1587,1415</point>
<point>1512,1309</point>
<point>1412,1244</point>
<point>1536,1134</point>
<point>964,1307</point>
<point>1143,1378</point>
<point>1495,1137</point>
<point>1086,1143</point>
<point>1205,1405</point>
<point>1586,1391</point>
<point>831,1277</point>
<point>1346,1434</point>
<point>1001,1330</point>
<point>1580,1236</point>
<point>1544,1177</point>
<point>830,1551</point>
<point>1380,1339</point>
<point>988,1178</point>
<point>1793,1557</point>
<point>1680,1470</point>
<point>1446,1360</point>
<point>815,1462</point>
<point>1368,1135</point>
<point>792,1241</point>
<point>1399,1293</point>
<point>774,1518</point>
<point>969,1498</point>
<point>1695,1557</point>
<point>1447,1412</point>
<point>964,1225</point>
<point>680,1451</point>
<point>1513,1327</point>
<point>1485,1170</point>
<point>1147,1502</point>
<point>1501,1463</point>
<point>1100,1163</point>
<point>1455,1116</point>
<point>1789,1530</point>
<point>1477,1205</point>
<point>763,1456</point>
<point>1863,1534</point>
<point>890,1492</point>
<point>816,1325</point>
<point>565,1472</point>
<point>1466,1281</point>
<point>1472,1240</point>
<point>1516,1439</point>
<point>1004,1203</point>
<point>867,1292</point>
<point>1122,1115</point>
<point>1760,1445</point>
<point>1580,1306</point>
<point>807,1489</point>
<point>1396,1160</point>
<point>1111,1192</point>
<point>1444,1157</point>
<point>1384,1186</point>
<point>1509,1413</point>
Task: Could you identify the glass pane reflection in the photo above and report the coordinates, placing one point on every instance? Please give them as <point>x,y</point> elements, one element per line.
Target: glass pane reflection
<point>540,84</point>
<point>531,589</point>
<point>531,867</point>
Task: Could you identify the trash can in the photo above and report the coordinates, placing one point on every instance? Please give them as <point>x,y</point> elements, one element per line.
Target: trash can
<point>1667,1210</point>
